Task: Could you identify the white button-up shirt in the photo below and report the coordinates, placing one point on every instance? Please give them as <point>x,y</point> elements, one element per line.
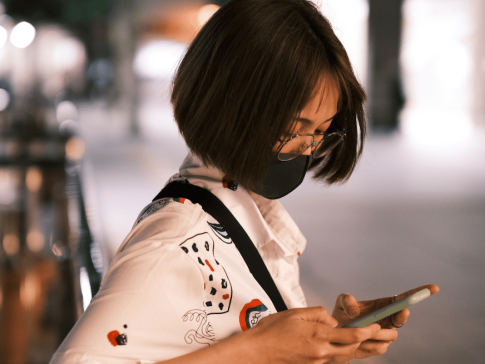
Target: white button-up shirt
<point>178,283</point>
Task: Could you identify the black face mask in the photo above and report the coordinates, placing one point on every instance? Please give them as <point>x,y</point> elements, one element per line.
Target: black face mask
<point>284,177</point>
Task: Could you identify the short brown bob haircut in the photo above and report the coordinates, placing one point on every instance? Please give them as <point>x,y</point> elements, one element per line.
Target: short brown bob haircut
<point>247,75</point>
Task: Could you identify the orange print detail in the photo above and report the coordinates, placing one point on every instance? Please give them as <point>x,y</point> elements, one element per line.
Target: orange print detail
<point>208,264</point>
<point>226,296</point>
<point>112,337</point>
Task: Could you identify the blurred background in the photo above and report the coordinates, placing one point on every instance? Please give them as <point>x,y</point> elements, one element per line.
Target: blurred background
<point>87,139</point>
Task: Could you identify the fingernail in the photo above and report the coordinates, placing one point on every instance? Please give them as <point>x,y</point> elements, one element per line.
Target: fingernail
<point>336,323</point>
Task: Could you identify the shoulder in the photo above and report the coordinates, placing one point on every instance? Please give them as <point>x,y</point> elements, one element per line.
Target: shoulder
<point>163,221</point>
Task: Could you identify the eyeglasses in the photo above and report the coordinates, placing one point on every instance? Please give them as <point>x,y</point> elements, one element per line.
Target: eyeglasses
<point>320,144</point>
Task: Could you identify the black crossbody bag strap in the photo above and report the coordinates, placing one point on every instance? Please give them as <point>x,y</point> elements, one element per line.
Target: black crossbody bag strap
<point>214,207</point>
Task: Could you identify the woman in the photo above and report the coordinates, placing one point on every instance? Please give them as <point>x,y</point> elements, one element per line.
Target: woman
<point>264,93</point>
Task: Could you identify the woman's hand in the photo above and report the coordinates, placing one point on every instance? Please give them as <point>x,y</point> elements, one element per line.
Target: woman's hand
<point>301,335</point>
<point>348,309</point>
<point>307,335</point>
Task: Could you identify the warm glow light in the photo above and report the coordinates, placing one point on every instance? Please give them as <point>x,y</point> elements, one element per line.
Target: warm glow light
<point>4,99</point>
<point>11,244</point>
<point>33,179</point>
<point>29,290</point>
<point>74,148</point>
<point>66,110</point>
<point>3,36</point>
<point>205,13</point>
<point>22,35</point>
<point>35,240</point>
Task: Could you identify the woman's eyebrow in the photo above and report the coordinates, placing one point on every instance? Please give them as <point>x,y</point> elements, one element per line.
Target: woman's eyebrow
<point>309,122</point>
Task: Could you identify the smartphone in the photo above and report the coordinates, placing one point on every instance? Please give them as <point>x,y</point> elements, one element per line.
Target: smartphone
<point>391,309</point>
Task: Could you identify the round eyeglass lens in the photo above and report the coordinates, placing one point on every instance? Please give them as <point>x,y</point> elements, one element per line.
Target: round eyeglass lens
<point>329,142</point>
<point>295,147</point>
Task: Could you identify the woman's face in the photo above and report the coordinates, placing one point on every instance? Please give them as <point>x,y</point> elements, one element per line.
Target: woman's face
<point>318,114</point>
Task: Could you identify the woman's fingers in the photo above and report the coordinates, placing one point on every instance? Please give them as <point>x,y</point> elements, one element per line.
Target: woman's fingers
<point>352,335</point>
<point>433,288</point>
<point>316,314</point>
<point>385,335</point>
<point>371,347</point>
<point>309,334</point>
<point>347,342</point>
<point>398,319</point>
<point>349,304</point>
<point>378,344</point>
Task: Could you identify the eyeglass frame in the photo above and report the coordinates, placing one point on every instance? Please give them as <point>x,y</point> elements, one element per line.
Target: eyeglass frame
<point>342,133</point>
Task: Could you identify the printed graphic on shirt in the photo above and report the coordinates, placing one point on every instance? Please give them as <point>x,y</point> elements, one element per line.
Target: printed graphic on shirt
<point>217,286</point>
<point>115,338</point>
<point>204,333</point>
<point>179,178</point>
<point>220,232</point>
<point>251,313</point>
<point>157,205</point>
<point>228,182</point>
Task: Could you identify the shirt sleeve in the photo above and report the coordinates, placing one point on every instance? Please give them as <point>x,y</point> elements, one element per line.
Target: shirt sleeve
<point>148,307</point>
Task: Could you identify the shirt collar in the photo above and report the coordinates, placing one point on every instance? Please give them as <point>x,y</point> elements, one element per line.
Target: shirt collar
<point>263,220</point>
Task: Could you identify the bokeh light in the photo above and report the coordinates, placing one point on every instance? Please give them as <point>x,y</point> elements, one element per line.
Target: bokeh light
<point>436,127</point>
<point>68,54</point>
<point>11,244</point>
<point>29,290</point>
<point>22,35</point>
<point>85,287</point>
<point>9,181</point>
<point>33,179</point>
<point>3,36</point>
<point>351,27</point>
<point>4,99</point>
<point>205,13</point>
<point>66,110</point>
<point>56,249</point>
<point>158,59</point>
<point>74,149</point>
<point>35,241</point>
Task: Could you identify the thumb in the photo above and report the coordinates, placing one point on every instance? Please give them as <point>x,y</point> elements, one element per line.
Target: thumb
<point>316,314</point>
<point>349,305</point>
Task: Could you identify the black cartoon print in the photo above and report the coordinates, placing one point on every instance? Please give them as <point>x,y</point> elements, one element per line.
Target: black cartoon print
<point>217,286</point>
<point>220,232</point>
<point>155,206</point>
<point>115,338</point>
<point>179,178</point>
<point>204,333</point>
